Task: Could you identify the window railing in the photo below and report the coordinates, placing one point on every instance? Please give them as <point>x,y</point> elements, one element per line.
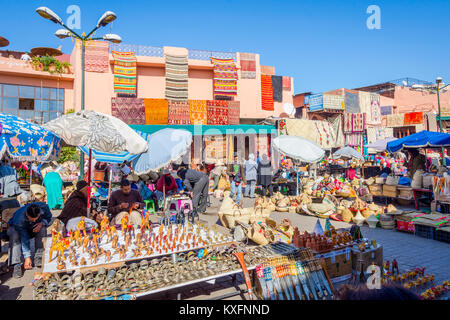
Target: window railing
<point>139,50</point>
<point>206,55</point>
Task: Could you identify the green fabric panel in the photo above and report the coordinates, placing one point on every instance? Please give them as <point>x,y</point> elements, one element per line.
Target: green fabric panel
<point>209,130</point>
<point>53,187</point>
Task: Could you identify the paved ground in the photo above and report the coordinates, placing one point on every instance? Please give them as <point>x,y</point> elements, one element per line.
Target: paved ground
<point>409,250</point>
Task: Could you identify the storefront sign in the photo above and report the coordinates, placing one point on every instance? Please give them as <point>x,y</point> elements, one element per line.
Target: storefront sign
<point>315,102</point>
<point>331,101</point>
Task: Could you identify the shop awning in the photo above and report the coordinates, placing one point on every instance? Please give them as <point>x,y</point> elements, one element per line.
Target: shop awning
<point>421,139</point>
<point>198,130</point>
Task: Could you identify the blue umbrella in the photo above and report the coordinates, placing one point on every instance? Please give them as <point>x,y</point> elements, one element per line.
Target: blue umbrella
<point>111,157</point>
<point>25,141</point>
<point>421,139</point>
<point>164,146</point>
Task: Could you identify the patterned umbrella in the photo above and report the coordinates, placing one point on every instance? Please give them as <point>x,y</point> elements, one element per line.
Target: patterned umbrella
<point>25,141</point>
<point>97,131</point>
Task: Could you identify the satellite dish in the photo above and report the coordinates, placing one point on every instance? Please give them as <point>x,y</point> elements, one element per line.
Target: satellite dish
<point>289,109</point>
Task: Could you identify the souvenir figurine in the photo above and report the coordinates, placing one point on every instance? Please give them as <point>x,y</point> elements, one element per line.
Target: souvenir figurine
<point>115,239</point>
<point>136,253</point>
<point>138,240</point>
<point>104,224</point>
<point>127,241</point>
<point>145,223</point>
<point>123,252</point>
<point>81,225</point>
<point>94,242</point>
<point>131,231</point>
<point>83,261</point>
<point>93,258</point>
<point>77,238</point>
<point>124,224</point>
<point>148,251</point>
<point>107,256</point>
<point>59,248</point>
<point>86,242</point>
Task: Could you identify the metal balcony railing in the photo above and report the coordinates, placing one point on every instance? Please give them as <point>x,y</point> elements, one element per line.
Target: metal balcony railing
<point>139,50</point>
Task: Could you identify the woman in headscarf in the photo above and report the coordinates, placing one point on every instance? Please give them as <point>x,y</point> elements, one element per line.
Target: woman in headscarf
<point>251,174</point>
<point>265,175</point>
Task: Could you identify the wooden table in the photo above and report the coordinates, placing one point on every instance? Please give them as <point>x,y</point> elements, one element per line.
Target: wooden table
<point>420,191</point>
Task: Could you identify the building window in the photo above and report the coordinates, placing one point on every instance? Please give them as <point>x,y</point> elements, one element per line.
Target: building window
<point>36,104</point>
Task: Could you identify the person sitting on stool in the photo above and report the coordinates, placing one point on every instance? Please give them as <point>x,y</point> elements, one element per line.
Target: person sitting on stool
<point>197,184</point>
<point>122,201</point>
<point>28,222</point>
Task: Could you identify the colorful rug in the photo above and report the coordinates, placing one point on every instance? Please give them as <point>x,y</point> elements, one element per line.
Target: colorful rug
<point>268,71</point>
<point>351,101</point>
<point>364,101</point>
<point>413,118</point>
<point>287,81</point>
<point>395,120</point>
<point>97,56</point>
<point>225,77</point>
<point>124,72</point>
<point>248,65</point>
<point>358,122</point>
<point>386,110</point>
<point>129,110</point>
<point>267,93</point>
<point>197,112</point>
<point>179,112</point>
<point>277,86</point>
<point>234,112</point>
<point>156,111</point>
<point>354,139</point>
<point>347,125</point>
<point>217,112</point>
<point>176,77</point>
<point>262,145</point>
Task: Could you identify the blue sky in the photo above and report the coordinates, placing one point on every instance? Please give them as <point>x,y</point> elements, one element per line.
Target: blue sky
<point>322,44</point>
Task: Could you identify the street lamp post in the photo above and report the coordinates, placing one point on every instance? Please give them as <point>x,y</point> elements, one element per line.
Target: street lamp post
<point>105,19</point>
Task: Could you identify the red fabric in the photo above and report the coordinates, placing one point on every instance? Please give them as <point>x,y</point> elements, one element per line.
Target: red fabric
<point>413,118</point>
<point>234,112</point>
<point>217,112</point>
<point>171,187</point>
<point>129,110</point>
<point>350,174</point>
<point>267,93</point>
<point>248,65</point>
<point>97,56</point>
<point>287,83</point>
<point>179,112</point>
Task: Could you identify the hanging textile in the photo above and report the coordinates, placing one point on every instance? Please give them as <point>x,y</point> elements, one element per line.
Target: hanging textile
<point>234,112</point>
<point>364,102</point>
<point>197,112</point>
<point>395,120</point>
<point>413,118</point>
<point>230,148</point>
<point>374,116</point>
<point>267,93</point>
<point>124,72</point>
<point>347,126</point>
<point>386,110</point>
<point>268,71</point>
<point>277,86</point>
<point>217,112</point>
<point>215,148</point>
<point>96,56</point>
<point>129,110</point>
<point>178,112</point>
<point>287,83</point>
<point>248,65</point>
<point>358,122</point>
<point>225,77</point>
<point>351,101</point>
<point>354,139</point>
<point>262,145</point>
<point>156,111</point>
<point>176,77</point>
<point>336,123</point>
<point>319,132</point>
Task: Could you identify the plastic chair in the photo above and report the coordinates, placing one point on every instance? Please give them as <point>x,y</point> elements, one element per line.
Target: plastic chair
<point>150,206</point>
